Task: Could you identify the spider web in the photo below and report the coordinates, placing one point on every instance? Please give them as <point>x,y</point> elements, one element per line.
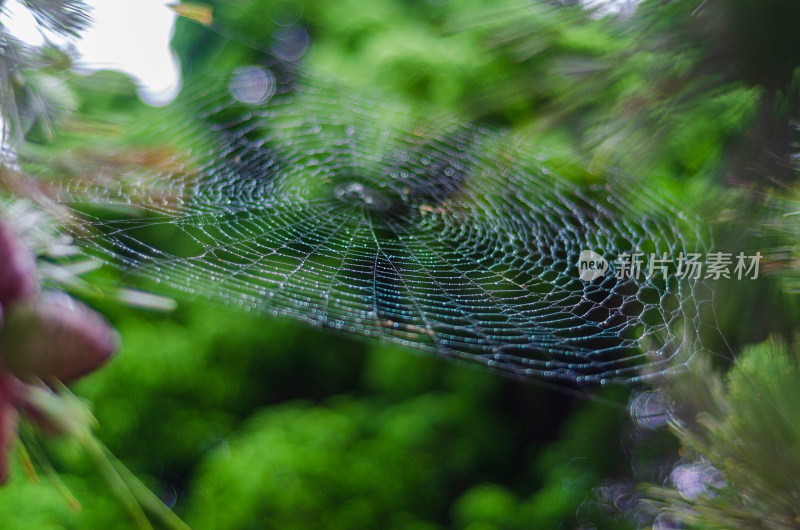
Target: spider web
<point>434,234</point>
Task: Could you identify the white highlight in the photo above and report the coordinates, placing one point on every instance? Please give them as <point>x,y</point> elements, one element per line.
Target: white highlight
<point>602,8</point>
<point>131,36</point>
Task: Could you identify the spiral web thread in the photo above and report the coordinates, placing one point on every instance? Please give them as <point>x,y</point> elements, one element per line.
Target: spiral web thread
<point>437,235</point>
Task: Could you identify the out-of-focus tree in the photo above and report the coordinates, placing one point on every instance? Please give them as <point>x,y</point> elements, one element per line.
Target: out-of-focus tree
<point>678,86</point>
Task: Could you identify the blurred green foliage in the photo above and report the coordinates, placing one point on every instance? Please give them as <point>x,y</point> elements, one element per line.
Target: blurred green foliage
<point>743,432</point>
<point>255,424</point>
